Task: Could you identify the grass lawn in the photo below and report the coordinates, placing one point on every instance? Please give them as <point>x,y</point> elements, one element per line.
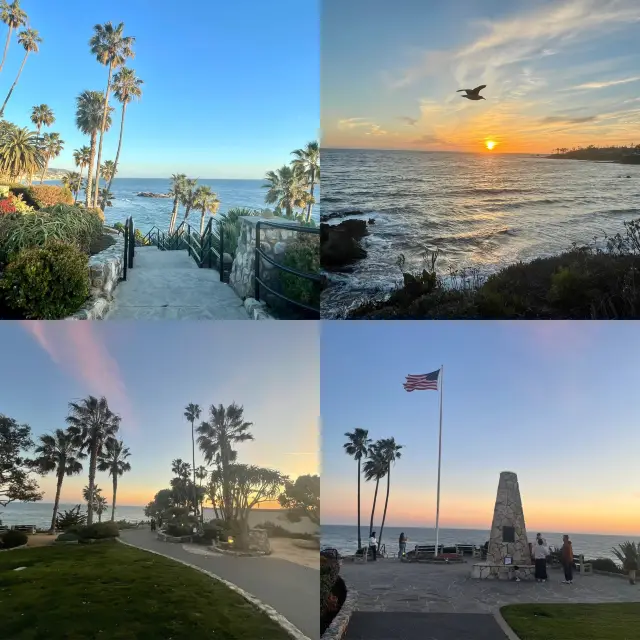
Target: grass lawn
<point>620,621</point>
<point>110,591</point>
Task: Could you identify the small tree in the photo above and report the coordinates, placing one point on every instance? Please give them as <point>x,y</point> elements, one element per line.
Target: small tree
<point>302,498</point>
<point>15,481</point>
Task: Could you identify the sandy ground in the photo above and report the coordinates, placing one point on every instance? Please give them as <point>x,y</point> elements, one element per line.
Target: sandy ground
<point>284,549</point>
<point>40,540</point>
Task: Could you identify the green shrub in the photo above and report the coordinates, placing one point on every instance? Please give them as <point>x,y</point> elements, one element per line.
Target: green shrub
<point>303,255</point>
<point>276,531</point>
<point>96,211</point>
<point>329,572</point>
<point>70,518</point>
<point>27,194</point>
<point>605,564</point>
<point>97,531</point>
<point>47,283</point>
<point>49,195</point>
<point>13,539</point>
<point>179,530</point>
<point>67,537</point>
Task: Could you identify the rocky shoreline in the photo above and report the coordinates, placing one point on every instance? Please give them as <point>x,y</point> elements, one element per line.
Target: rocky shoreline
<point>340,243</point>
<point>150,194</point>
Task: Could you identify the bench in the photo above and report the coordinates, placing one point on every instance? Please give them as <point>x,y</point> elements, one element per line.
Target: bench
<point>583,568</point>
<point>27,528</point>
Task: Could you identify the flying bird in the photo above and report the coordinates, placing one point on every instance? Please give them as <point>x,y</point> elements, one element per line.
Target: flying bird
<point>473,94</point>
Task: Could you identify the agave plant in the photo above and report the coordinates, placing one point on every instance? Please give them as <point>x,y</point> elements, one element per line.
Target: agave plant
<point>629,555</point>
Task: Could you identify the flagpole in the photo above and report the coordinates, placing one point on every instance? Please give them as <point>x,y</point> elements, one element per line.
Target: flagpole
<point>439,460</point>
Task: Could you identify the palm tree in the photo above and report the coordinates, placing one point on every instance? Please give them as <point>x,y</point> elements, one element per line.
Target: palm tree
<point>390,452</point>
<point>225,428</point>
<point>192,413</point>
<point>284,189</point>
<point>126,88</point>
<point>58,452</point>
<point>105,198</point>
<point>42,115</point>
<point>73,181</point>
<point>107,171</point>
<point>14,17</point>
<point>176,190</point>
<point>111,49</point>
<point>188,198</point>
<point>52,146</point>
<point>357,447</point>
<point>91,497</point>
<point>375,468</point>
<point>30,40</point>
<point>201,474</point>
<point>81,157</point>
<point>90,105</point>
<point>101,506</point>
<point>206,201</point>
<point>92,423</point>
<point>20,152</point>
<point>307,160</point>
<point>114,460</point>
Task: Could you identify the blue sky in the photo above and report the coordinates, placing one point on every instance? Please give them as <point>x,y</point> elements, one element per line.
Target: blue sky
<point>552,401</point>
<point>230,88</point>
<point>558,73</point>
<point>150,372</point>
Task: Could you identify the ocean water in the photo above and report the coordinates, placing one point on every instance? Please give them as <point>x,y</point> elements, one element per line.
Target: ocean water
<point>480,211</point>
<point>344,538</point>
<point>148,212</point>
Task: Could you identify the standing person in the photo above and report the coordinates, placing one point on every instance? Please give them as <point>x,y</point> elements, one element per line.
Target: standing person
<point>373,545</point>
<point>539,537</point>
<point>540,553</point>
<point>567,560</point>
<point>402,545</point>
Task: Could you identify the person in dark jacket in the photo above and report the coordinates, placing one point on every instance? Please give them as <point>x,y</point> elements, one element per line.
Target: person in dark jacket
<point>402,545</point>
<point>567,560</point>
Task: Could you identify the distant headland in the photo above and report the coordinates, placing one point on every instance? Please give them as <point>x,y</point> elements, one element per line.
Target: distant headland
<point>623,155</point>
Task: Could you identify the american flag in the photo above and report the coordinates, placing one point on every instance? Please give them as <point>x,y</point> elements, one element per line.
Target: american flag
<point>422,381</point>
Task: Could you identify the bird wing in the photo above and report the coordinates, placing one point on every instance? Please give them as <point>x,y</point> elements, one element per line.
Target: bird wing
<point>463,90</point>
<point>479,89</point>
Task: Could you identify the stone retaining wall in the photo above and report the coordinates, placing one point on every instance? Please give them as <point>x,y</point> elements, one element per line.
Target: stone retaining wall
<point>273,242</point>
<point>105,271</point>
<point>338,627</point>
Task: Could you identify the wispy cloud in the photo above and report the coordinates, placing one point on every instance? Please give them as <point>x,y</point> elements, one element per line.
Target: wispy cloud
<point>353,123</point>
<point>567,120</point>
<point>375,130</point>
<point>606,83</point>
<point>412,122</point>
<point>77,349</point>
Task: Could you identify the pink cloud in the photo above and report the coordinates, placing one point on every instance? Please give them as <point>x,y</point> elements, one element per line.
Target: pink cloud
<point>78,349</point>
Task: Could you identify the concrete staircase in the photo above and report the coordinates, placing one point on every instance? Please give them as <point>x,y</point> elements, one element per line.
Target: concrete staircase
<point>168,285</point>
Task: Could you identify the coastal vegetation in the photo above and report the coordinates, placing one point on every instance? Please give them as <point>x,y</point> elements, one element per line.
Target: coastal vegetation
<point>127,593</point>
<point>615,153</point>
<point>598,281</point>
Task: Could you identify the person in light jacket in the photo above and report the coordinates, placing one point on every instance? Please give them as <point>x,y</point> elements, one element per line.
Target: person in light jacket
<point>540,553</point>
<point>373,545</point>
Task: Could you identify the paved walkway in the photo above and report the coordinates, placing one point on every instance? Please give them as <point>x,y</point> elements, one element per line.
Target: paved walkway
<point>168,285</point>
<point>442,602</point>
<point>291,589</point>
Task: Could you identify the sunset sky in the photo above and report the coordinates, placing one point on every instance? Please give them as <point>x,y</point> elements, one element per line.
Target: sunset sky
<point>559,73</point>
<point>555,402</point>
<point>150,372</point>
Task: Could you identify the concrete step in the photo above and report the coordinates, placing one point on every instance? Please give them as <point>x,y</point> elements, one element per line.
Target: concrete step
<point>152,258</point>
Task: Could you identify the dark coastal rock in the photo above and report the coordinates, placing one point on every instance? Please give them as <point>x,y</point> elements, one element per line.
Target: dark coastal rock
<point>339,244</point>
<point>372,221</point>
<point>149,194</point>
<point>339,214</point>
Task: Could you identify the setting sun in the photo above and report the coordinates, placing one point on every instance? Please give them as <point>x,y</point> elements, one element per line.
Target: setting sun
<point>490,144</point>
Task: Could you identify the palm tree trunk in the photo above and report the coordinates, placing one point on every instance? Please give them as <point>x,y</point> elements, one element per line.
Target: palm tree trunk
<point>6,47</point>
<point>102,128</point>
<point>92,156</point>
<point>187,210</point>
<point>113,502</point>
<point>57,500</point>
<point>92,480</point>
<point>202,222</point>
<point>115,164</point>
<point>359,537</point>
<point>79,185</point>
<point>373,509</point>
<point>193,453</point>
<point>13,86</point>
<point>386,502</point>
<point>32,172</point>
<point>174,215</point>
<point>313,182</point>
<point>44,170</point>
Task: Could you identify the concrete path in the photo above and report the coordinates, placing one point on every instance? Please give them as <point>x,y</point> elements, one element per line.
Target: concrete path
<point>168,285</point>
<point>423,626</point>
<point>291,589</point>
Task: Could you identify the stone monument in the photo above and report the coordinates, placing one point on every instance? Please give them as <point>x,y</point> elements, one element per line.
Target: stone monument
<point>508,544</point>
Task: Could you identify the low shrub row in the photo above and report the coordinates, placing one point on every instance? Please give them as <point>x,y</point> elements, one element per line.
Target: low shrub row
<point>276,531</point>
<point>332,592</point>
<point>605,564</point>
<point>38,196</point>
<point>95,531</point>
<point>11,539</point>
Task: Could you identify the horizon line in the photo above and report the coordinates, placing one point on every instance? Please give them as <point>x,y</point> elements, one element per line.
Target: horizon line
<point>151,178</point>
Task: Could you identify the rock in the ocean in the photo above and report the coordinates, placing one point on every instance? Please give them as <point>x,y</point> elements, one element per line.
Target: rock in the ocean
<point>149,194</point>
<point>339,243</point>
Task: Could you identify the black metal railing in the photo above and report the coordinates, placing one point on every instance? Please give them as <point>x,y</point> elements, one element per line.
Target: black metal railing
<point>129,246</point>
<point>316,280</point>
